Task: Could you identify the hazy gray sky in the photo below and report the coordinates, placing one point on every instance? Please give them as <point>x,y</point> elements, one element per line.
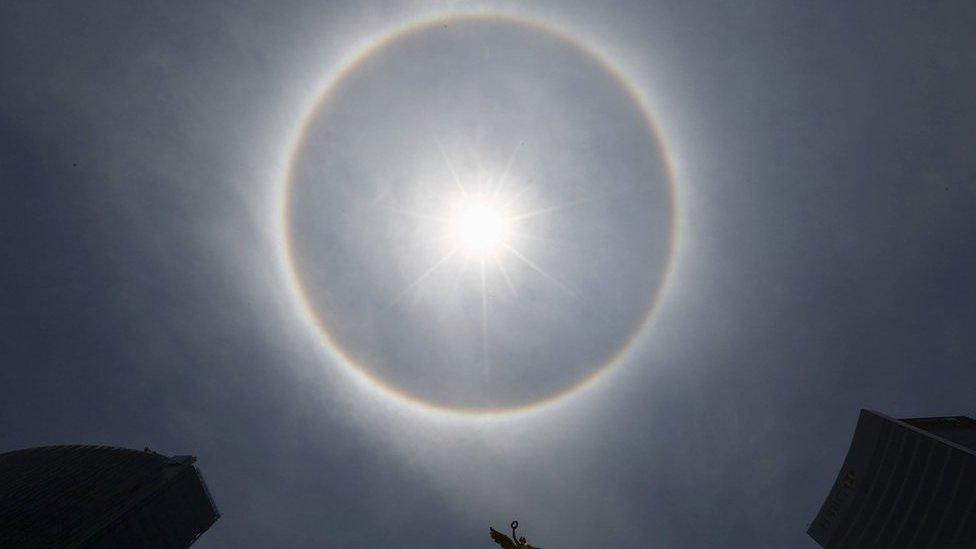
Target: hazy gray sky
<point>826,205</point>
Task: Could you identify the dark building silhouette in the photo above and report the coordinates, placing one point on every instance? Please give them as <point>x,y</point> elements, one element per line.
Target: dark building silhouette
<point>904,484</point>
<point>97,496</point>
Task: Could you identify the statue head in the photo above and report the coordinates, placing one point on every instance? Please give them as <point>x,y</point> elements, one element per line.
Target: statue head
<point>510,542</point>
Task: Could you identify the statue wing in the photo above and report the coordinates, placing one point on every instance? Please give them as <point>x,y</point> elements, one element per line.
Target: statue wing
<point>502,539</point>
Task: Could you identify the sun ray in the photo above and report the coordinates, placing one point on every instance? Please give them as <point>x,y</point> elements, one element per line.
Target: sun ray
<point>568,204</point>
<point>508,279</point>
<point>511,160</point>
<point>554,208</point>
<point>411,213</point>
<point>458,276</point>
<point>508,203</point>
<point>542,272</point>
<point>422,243</point>
<point>561,285</point>
<point>450,167</point>
<point>479,163</point>
<point>549,241</point>
<point>484,316</point>
<point>423,276</point>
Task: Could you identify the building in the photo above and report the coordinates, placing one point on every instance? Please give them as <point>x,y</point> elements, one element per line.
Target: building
<point>904,483</point>
<point>97,496</point>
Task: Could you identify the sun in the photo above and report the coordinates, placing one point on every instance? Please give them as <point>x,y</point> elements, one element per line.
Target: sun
<point>479,226</point>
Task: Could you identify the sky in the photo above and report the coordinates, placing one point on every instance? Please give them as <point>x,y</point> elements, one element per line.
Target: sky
<point>791,243</point>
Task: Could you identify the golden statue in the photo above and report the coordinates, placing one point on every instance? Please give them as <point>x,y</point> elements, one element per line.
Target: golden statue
<point>507,543</point>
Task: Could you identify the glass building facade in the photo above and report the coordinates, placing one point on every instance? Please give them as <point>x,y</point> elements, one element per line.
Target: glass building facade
<point>904,483</point>
<point>98,496</point>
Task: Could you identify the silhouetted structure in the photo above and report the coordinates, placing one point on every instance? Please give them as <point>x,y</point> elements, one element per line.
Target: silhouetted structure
<point>510,542</point>
<point>904,483</point>
<point>97,496</point>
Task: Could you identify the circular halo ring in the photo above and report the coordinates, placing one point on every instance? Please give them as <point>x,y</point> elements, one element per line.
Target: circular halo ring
<point>294,279</point>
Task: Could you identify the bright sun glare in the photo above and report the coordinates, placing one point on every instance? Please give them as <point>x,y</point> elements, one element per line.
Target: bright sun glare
<point>479,226</point>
